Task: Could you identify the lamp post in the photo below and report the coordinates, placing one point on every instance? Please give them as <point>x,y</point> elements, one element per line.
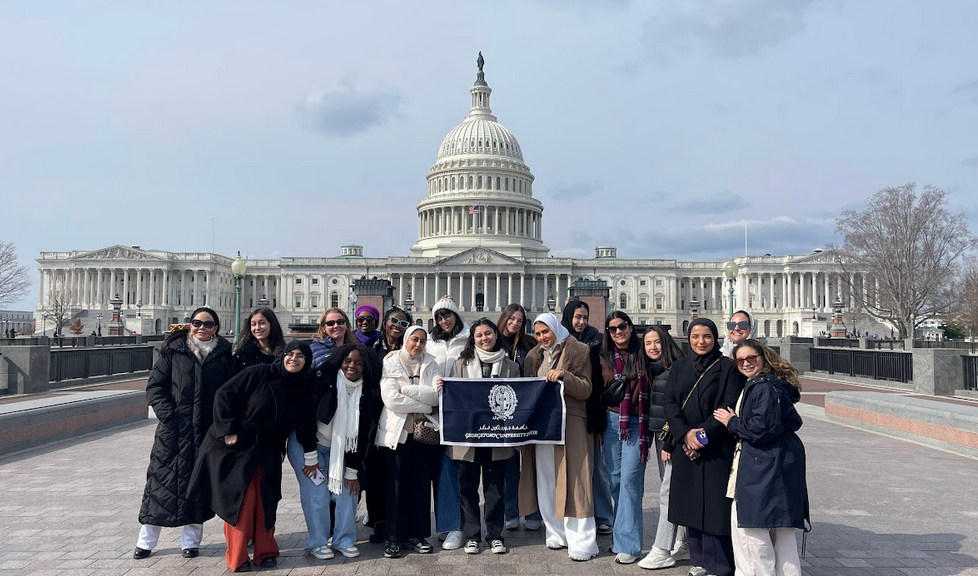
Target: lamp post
<point>98,317</point>
<point>730,270</point>
<point>139,309</point>
<point>551,302</point>
<point>6,327</point>
<point>238,271</point>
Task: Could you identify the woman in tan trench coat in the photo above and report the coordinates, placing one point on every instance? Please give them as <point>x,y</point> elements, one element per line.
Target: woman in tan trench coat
<point>557,479</point>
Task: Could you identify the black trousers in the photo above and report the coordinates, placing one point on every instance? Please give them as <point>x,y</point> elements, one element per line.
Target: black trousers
<point>411,469</point>
<point>493,473</point>
<point>713,552</point>
<point>376,487</point>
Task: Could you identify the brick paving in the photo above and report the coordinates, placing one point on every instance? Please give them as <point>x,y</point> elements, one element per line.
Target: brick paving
<point>879,505</point>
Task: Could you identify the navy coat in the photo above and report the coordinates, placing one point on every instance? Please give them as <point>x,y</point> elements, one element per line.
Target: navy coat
<point>771,488</point>
<point>697,497</point>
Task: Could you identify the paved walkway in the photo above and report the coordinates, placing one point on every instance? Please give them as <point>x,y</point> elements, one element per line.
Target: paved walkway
<point>879,506</point>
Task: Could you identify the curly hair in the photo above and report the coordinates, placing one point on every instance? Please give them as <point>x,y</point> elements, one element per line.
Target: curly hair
<point>385,324</point>
<point>773,362</point>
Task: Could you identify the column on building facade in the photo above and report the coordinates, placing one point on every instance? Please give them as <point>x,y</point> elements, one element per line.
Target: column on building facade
<point>533,292</point>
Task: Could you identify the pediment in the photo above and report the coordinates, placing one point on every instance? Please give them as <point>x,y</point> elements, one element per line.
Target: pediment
<point>478,256</point>
<point>826,258</point>
<point>117,252</point>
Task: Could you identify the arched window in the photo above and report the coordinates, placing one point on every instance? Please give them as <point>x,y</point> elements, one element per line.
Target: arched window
<point>334,299</point>
<point>453,182</point>
<point>470,183</point>
<point>507,183</point>
<point>623,301</point>
<point>439,185</point>
<point>497,182</point>
<point>479,183</point>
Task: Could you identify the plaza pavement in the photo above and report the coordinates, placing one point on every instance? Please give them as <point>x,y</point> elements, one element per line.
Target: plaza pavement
<point>879,506</point>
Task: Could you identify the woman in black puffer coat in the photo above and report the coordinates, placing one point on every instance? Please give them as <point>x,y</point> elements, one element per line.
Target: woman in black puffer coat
<point>193,364</point>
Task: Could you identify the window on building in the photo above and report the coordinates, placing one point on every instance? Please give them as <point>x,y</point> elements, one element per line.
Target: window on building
<point>658,282</point>
<point>623,301</point>
<point>642,282</point>
<point>315,281</point>
<point>314,301</point>
<point>658,302</point>
<point>334,299</point>
<point>297,319</point>
<point>643,302</point>
<point>298,281</point>
<point>298,300</point>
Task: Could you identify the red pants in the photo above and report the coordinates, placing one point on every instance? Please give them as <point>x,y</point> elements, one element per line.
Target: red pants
<point>251,526</point>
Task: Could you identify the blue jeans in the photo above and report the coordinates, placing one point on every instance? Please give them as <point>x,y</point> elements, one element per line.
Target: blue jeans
<point>511,491</point>
<point>448,501</point>
<point>627,479</point>
<point>604,513</point>
<point>315,503</point>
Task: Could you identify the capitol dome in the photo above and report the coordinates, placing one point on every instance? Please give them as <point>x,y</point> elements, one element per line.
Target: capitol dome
<point>480,192</point>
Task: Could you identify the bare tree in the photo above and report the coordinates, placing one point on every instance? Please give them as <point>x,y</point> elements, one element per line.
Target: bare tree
<point>27,329</point>
<point>13,277</point>
<point>56,309</point>
<point>910,245</point>
<point>965,311</point>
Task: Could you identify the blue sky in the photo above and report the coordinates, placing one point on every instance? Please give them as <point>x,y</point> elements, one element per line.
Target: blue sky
<point>297,127</point>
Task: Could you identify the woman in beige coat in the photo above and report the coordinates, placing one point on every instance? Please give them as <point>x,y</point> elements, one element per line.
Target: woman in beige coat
<point>557,479</point>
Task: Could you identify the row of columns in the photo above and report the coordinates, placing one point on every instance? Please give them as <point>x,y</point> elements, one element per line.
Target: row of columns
<point>804,290</point>
<point>477,182</point>
<point>93,288</point>
<point>453,220</point>
<point>499,289</point>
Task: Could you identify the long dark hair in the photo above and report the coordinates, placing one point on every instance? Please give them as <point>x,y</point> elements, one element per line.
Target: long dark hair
<point>371,363</point>
<point>635,359</point>
<point>438,334</point>
<point>386,322</point>
<point>520,337</point>
<point>670,350</point>
<point>468,352</point>
<point>276,338</point>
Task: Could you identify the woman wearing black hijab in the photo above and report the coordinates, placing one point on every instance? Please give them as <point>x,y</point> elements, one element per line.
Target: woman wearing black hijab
<point>698,384</point>
<point>239,471</point>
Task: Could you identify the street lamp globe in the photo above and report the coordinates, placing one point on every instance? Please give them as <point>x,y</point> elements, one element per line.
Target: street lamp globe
<point>238,271</point>
<point>238,266</point>
<point>730,269</point>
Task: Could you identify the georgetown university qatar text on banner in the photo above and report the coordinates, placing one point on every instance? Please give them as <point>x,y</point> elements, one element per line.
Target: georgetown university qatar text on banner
<point>502,412</point>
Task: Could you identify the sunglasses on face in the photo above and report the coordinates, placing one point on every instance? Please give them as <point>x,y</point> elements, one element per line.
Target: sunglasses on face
<point>442,315</point>
<point>618,327</point>
<point>205,323</point>
<point>398,322</point>
<point>332,323</point>
<point>365,319</point>
<point>752,359</point>
<point>742,325</point>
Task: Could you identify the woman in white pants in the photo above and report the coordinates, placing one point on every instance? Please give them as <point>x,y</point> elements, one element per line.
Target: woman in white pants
<point>767,481</point>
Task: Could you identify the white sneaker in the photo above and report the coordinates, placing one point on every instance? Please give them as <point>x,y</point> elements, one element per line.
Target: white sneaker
<point>680,552</point>
<point>323,553</point>
<point>531,525</point>
<point>472,547</point>
<point>555,544</point>
<point>623,558</point>
<point>453,541</point>
<point>497,547</point>
<point>349,551</point>
<point>697,571</point>
<point>512,524</point>
<point>658,558</point>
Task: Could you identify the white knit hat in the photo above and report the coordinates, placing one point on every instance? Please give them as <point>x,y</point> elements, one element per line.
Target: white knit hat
<point>445,303</point>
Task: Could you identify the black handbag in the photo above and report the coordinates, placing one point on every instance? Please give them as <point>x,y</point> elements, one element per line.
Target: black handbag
<point>426,433</point>
<point>615,392</point>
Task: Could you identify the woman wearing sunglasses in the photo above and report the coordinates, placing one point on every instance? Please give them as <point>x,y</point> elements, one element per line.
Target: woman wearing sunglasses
<point>193,364</point>
<point>262,341</point>
<point>627,436</point>
<point>367,320</point>
<point>767,481</point>
<point>448,338</point>
<point>334,330</point>
<point>392,329</point>
<point>699,384</point>
<point>740,327</point>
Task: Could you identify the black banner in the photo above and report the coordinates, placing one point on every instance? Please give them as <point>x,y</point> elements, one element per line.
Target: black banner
<point>502,412</point>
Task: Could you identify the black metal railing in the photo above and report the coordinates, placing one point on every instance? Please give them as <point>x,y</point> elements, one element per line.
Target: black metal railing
<point>74,363</point>
<point>970,372</point>
<point>952,344</point>
<point>878,365</point>
<point>838,342</point>
<point>886,344</point>
<point>800,340</point>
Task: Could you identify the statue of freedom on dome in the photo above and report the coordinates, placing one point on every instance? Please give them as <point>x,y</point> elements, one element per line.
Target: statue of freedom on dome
<point>480,62</point>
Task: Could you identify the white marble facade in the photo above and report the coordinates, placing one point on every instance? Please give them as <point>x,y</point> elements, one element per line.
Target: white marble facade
<point>480,239</point>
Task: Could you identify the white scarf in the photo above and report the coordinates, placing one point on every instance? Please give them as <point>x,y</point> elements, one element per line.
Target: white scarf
<point>346,428</point>
<point>474,366</point>
<point>200,348</point>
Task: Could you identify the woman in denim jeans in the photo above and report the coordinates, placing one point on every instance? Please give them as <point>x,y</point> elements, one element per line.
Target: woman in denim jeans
<point>627,437</point>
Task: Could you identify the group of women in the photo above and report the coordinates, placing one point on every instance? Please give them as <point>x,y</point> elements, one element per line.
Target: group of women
<point>355,410</point>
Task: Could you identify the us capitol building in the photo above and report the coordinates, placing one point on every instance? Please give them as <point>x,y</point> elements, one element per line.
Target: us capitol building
<point>480,239</point>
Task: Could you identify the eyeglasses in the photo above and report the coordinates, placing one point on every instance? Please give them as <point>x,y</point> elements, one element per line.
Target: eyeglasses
<point>742,325</point>
<point>365,319</point>
<point>399,322</point>
<point>441,315</point>
<point>205,323</point>
<point>332,323</point>
<point>618,327</point>
<point>752,359</point>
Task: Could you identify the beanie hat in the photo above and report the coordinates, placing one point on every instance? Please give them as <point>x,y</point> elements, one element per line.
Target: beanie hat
<point>445,303</point>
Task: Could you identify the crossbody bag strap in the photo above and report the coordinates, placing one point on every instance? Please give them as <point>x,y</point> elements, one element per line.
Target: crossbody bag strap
<point>697,384</point>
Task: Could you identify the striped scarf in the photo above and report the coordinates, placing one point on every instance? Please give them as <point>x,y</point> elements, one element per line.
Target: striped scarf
<point>641,385</point>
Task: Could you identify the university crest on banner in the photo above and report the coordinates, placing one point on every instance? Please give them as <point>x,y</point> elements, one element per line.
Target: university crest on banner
<point>494,412</point>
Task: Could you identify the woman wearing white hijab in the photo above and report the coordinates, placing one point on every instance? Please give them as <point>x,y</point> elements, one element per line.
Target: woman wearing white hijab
<point>742,325</point>
<point>557,479</point>
<point>408,391</point>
